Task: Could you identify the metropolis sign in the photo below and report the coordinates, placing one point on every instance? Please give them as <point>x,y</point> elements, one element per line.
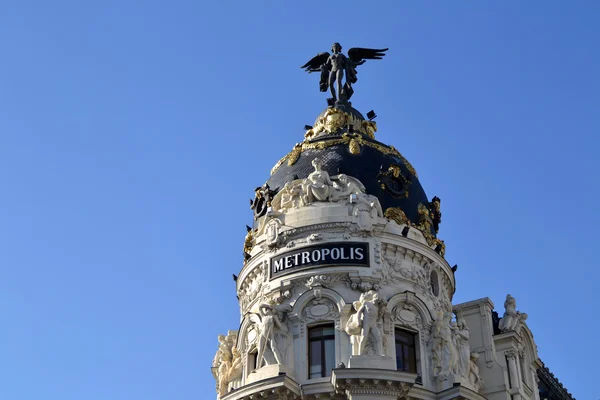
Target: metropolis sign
<point>326,254</point>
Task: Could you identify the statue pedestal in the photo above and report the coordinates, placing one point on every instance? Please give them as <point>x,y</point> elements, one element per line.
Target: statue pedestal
<point>269,371</point>
<point>372,362</point>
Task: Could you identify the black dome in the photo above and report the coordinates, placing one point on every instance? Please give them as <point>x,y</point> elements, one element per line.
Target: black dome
<point>383,171</point>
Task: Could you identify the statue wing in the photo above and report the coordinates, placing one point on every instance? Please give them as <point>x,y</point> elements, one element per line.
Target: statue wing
<point>359,55</point>
<point>314,64</point>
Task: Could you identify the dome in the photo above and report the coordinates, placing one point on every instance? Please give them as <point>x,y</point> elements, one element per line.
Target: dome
<point>345,143</point>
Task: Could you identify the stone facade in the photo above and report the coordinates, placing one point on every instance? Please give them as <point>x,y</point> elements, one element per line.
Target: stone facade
<point>322,252</point>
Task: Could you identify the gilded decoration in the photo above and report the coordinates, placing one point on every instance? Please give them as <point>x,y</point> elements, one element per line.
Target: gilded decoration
<point>437,242</point>
<point>344,140</point>
<point>393,182</point>
<point>295,154</point>
<point>248,243</point>
<point>396,214</point>
<point>334,120</point>
<point>354,147</point>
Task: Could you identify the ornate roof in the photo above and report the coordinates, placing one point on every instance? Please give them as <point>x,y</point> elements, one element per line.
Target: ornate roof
<point>345,143</point>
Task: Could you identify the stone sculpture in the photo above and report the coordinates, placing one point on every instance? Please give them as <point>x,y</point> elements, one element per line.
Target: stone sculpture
<point>320,187</point>
<point>474,378</point>
<point>511,317</point>
<point>463,349</point>
<point>227,363</point>
<point>364,324</point>
<point>445,356</point>
<point>270,326</point>
<point>333,66</point>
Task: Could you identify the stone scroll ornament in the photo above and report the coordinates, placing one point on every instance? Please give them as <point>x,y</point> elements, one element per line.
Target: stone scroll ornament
<point>320,187</point>
<point>334,66</point>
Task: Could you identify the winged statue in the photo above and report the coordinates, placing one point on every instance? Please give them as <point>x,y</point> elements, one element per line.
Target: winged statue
<point>333,66</point>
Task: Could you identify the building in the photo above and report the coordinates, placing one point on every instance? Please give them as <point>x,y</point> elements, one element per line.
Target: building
<point>345,292</point>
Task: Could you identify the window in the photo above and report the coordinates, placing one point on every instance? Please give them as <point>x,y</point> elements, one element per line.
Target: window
<point>435,284</point>
<point>252,360</point>
<point>321,351</point>
<point>406,355</point>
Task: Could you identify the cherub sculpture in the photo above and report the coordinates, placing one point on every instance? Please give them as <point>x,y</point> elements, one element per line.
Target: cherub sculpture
<point>333,66</point>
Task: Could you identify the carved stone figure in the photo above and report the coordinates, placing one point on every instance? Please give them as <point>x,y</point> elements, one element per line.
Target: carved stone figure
<point>270,326</point>
<point>511,317</point>
<point>227,363</point>
<point>364,325</point>
<point>463,349</point>
<point>346,186</point>
<point>318,185</point>
<point>474,377</point>
<point>444,352</point>
<point>332,68</point>
<point>291,196</point>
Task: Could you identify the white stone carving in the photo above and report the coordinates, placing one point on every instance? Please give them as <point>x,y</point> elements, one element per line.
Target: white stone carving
<point>461,340</point>
<point>271,331</point>
<point>227,363</point>
<point>320,187</point>
<point>474,378</point>
<point>511,317</point>
<point>444,354</point>
<point>366,325</point>
<point>253,286</point>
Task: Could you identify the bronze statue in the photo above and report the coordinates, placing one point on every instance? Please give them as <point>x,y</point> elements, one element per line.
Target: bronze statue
<point>333,66</point>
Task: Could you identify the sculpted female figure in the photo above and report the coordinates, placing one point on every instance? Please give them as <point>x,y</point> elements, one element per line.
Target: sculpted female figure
<point>318,185</point>
<point>464,351</point>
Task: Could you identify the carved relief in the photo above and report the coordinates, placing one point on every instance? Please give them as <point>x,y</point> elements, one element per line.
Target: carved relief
<point>320,309</point>
<point>474,378</point>
<point>253,286</point>
<point>401,264</point>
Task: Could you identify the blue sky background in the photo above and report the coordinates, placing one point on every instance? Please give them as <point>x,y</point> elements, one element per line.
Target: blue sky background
<point>132,135</point>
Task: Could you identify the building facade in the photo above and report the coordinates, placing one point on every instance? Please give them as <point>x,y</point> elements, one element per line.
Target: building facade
<point>345,292</point>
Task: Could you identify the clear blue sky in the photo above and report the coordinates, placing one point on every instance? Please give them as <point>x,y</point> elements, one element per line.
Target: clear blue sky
<point>134,132</point>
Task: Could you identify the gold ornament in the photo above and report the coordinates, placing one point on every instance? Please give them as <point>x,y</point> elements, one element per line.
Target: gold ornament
<point>396,214</point>
<point>354,147</point>
<point>295,154</point>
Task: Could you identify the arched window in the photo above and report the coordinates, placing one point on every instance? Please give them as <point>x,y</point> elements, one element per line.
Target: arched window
<point>406,351</point>
<point>321,351</point>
